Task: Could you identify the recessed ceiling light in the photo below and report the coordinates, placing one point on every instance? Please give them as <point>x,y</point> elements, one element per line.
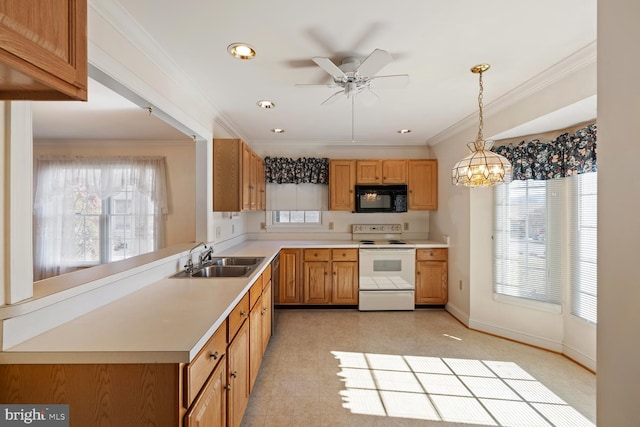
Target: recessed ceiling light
<point>277,130</point>
<point>402,131</point>
<point>241,50</point>
<point>266,104</point>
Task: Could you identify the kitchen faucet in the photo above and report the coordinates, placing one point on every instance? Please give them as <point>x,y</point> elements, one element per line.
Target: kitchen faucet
<point>205,255</point>
<point>189,266</point>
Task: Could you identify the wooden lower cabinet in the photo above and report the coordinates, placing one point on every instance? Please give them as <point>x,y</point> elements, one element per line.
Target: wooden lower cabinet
<point>255,341</point>
<point>345,282</point>
<point>238,376</point>
<point>432,276</point>
<point>290,281</point>
<point>330,276</point>
<point>210,408</point>
<point>267,311</point>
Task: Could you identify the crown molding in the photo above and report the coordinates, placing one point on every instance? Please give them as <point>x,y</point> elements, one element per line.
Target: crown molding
<point>573,63</point>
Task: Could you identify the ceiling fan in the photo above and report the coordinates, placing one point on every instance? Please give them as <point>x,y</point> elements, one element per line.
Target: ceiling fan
<point>357,78</point>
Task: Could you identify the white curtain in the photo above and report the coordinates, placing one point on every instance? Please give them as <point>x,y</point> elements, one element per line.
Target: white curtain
<point>70,190</point>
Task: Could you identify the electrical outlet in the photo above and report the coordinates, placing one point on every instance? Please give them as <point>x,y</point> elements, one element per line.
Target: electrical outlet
<point>406,226</point>
<point>218,232</point>
<point>330,226</point>
<point>460,284</point>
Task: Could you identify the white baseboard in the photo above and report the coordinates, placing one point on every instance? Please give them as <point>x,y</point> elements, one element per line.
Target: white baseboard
<point>458,314</point>
<point>579,357</point>
<point>519,336</point>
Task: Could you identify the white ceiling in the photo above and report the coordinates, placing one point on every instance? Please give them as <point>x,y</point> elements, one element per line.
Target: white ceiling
<point>435,42</point>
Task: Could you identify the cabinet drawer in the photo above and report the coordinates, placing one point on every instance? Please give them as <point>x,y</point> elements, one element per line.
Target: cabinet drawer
<point>239,314</point>
<point>255,291</point>
<point>317,254</point>
<point>434,254</point>
<point>199,369</point>
<point>266,276</point>
<point>344,254</point>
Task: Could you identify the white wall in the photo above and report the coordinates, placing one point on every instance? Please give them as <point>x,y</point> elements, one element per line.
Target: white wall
<point>466,215</point>
<point>618,207</point>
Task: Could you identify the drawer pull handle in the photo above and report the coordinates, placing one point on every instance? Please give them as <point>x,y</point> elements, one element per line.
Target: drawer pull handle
<point>214,356</point>
<point>234,374</point>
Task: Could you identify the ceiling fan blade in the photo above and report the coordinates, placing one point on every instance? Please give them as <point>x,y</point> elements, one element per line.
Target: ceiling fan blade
<point>396,81</point>
<point>368,97</point>
<point>320,86</point>
<point>329,67</point>
<point>333,98</point>
<point>374,63</point>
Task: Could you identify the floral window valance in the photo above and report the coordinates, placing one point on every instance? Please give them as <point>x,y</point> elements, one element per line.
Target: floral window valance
<point>566,155</point>
<point>305,170</point>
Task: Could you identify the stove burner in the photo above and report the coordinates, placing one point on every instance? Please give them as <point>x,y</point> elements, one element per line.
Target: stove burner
<point>367,242</point>
<point>397,242</point>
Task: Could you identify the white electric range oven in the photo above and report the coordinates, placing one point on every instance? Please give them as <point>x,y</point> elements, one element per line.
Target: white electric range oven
<point>386,268</point>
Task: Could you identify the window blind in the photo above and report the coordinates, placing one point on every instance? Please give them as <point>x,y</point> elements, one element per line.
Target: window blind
<point>527,233</point>
<point>583,246</point>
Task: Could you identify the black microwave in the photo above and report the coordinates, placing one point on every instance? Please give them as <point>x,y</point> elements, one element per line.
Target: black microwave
<point>381,198</point>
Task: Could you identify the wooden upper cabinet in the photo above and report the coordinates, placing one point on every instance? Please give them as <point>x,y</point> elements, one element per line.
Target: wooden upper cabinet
<point>368,171</point>
<point>394,171</point>
<point>381,171</point>
<point>342,180</point>
<point>423,184</point>
<point>238,177</point>
<point>43,50</point>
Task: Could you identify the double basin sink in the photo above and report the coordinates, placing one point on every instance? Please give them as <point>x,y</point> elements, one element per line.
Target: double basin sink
<point>222,267</point>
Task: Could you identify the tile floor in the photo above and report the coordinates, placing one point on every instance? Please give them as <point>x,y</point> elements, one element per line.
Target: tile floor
<point>423,368</point>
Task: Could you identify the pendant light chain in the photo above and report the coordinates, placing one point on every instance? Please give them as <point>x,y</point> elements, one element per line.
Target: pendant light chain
<point>481,126</point>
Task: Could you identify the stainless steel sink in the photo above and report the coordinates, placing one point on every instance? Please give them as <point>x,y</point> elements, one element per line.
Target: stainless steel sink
<point>223,267</point>
<point>235,260</point>
<point>223,271</point>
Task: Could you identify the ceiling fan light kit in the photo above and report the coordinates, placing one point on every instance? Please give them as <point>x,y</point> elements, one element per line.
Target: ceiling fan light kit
<point>483,167</point>
<point>354,78</point>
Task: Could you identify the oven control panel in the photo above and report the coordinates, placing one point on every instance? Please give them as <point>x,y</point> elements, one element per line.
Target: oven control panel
<point>376,228</point>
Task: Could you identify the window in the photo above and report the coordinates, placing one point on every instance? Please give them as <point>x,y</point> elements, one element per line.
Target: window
<point>96,210</point>
<point>527,240</point>
<point>583,242</point>
<point>297,217</point>
<point>531,245</point>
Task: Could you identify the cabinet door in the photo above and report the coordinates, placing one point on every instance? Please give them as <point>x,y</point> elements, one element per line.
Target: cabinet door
<point>368,172</point>
<point>423,184</point>
<point>431,282</point>
<point>342,179</point>
<point>210,409</point>
<point>290,277</point>
<point>238,376</point>
<point>255,342</point>
<point>345,282</point>
<point>44,49</point>
<point>317,282</point>
<point>394,171</point>
<point>246,177</point>
<point>262,186</point>
<point>267,312</point>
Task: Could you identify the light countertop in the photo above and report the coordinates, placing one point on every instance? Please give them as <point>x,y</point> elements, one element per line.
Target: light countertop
<point>166,322</point>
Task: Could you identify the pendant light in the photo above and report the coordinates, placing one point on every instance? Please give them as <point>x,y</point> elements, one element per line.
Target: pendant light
<point>483,167</point>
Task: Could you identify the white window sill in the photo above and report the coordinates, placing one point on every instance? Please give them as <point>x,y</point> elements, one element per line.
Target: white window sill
<point>296,228</point>
<point>528,303</point>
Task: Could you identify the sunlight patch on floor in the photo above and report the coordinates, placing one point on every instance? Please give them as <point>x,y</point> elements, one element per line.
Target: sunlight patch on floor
<point>480,392</point>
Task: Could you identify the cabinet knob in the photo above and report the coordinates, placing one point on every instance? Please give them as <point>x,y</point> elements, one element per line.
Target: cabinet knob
<point>243,313</point>
<point>350,191</point>
<point>418,273</point>
<point>214,356</point>
<point>234,374</point>
<point>228,387</point>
